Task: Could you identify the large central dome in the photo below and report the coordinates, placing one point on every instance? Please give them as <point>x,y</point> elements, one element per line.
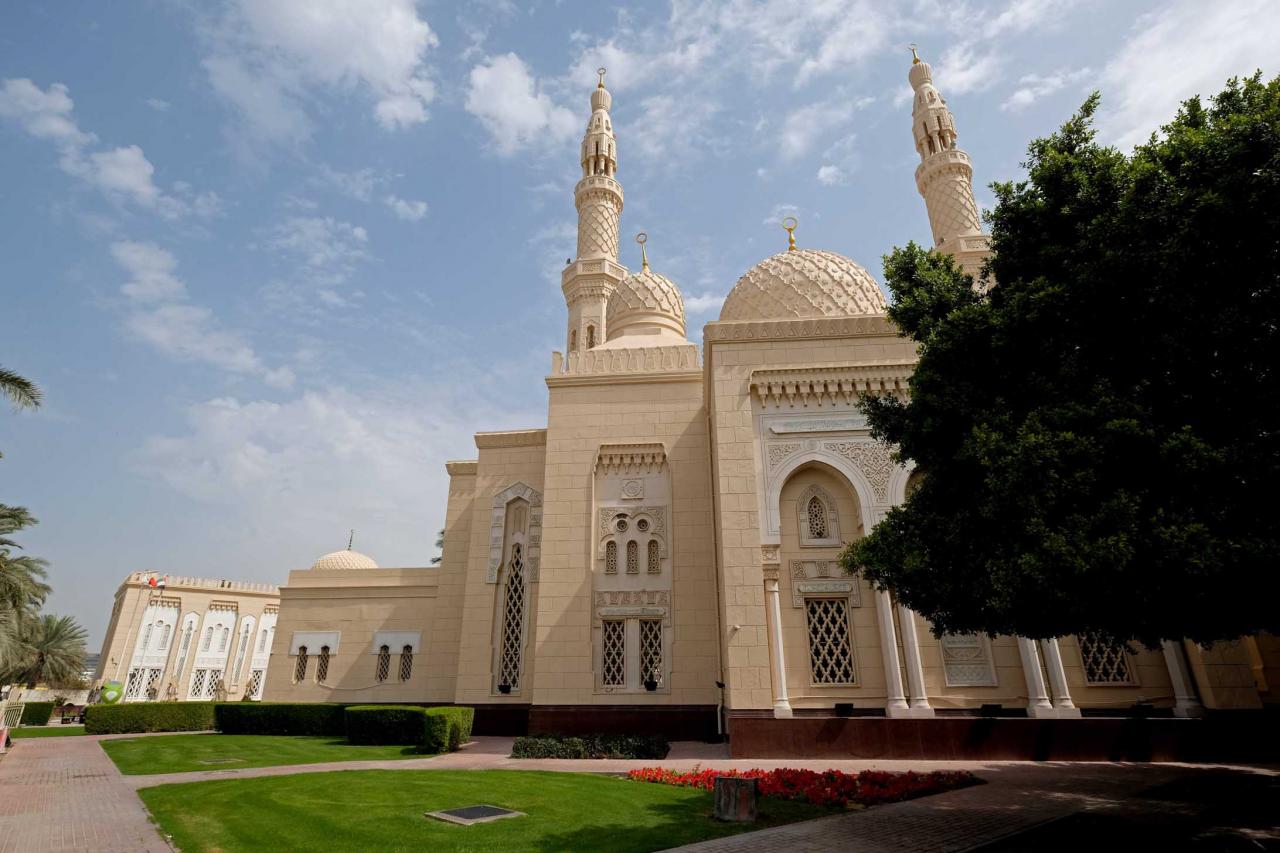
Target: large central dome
<point>803,283</point>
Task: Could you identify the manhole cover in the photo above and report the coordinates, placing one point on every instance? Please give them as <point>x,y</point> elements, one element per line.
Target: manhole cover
<point>220,761</point>
<point>468,815</point>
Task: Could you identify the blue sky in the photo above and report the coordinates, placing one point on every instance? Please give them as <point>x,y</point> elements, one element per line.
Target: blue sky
<point>273,262</point>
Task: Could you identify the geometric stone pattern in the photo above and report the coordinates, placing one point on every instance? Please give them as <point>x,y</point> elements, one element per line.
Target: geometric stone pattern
<point>648,292</point>
<point>966,661</point>
<point>830,652</point>
<point>803,283</point>
<point>1104,663</point>
<point>498,525</point>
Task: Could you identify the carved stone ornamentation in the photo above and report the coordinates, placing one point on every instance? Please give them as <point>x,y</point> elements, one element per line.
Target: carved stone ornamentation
<point>778,452</point>
<point>498,524</point>
<point>872,459</point>
<point>822,577</point>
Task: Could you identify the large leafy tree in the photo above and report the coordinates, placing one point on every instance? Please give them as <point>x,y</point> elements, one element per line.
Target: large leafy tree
<point>51,651</point>
<point>1098,433</point>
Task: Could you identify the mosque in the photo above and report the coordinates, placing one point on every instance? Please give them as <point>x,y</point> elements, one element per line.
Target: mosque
<point>662,555</point>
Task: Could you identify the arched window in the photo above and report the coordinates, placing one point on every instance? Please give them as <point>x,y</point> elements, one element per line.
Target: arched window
<point>384,664</point>
<point>146,636</point>
<point>573,340</point>
<point>246,636</point>
<point>406,663</point>
<point>817,515</point>
<point>510,660</point>
<point>591,337</point>
<point>300,667</point>
<point>633,557</point>
<point>164,636</point>
<point>183,648</point>
<point>611,558</point>
<point>262,641</point>
<point>655,564</point>
<point>222,640</point>
<point>208,639</point>
<point>322,665</point>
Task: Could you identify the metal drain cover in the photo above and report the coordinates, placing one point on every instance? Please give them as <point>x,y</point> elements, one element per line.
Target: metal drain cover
<point>468,815</point>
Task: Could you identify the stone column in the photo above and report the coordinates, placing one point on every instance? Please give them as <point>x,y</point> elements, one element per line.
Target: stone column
<point>1184,694</point>
<point>1058,679</point>
<point>781,705</point>
<point>1038,704</point>
<point>896,704</point>
<point>915,670</point>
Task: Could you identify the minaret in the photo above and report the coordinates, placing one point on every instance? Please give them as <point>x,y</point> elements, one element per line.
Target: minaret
<point>591,278</point>
<point>945,175</point>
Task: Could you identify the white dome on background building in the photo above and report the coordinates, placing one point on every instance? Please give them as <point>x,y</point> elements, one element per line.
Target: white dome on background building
<point>803,283</point>
<point>345,559</point>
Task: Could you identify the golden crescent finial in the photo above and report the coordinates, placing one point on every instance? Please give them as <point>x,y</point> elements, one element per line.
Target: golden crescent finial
<point>600,71</point>
<point>915,57</point>
<point>643,238</point>
<point>790,223</point>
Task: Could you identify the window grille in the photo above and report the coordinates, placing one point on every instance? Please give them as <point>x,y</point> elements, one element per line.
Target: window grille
<point>830,652</point>
<point>613,645</point>
<point>217,690</point>
<point>633,557</point>
<point>255,684</point>
<point>817,518</point>
<point>509,661</point>
<point>197,683</point>
<point>406,663</point>
<point>655,562</point>
<point>611,558</point>
<point>384,664</point>
<point>651,650</point>
<point>133,684</point>
<point>643,525</point>
<point>322,665</point>
<point>152,689</point>
<point>1104,663</point>
<point>208,639</point>
<point>300,667</point>
<point>591,336</point>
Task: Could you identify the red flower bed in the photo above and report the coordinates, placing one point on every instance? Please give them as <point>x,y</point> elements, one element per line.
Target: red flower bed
<point>829,788</point>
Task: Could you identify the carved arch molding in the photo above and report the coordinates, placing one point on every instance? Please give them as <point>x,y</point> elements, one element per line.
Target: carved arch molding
<point>498,526</point>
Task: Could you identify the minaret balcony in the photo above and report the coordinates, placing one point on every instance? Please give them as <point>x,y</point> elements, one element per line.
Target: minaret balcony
<point>597,183</point>
<point>584,272</point>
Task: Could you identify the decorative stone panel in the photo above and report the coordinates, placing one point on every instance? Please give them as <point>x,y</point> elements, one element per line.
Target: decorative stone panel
<point>822,577</point>
<point>872,458</point>
<point>498,525</point>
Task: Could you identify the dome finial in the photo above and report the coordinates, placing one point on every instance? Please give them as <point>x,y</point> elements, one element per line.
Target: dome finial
<point>915,57</point>
<point>351,540</point>
<point>790,223</point>
<point>600,71</point>
<point>643,238</point>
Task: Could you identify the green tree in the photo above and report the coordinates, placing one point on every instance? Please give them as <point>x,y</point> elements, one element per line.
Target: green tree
<point>51,651</point>
<point>22,586</point>
<point>22,392</point>
<point>435,561</point>
<point>1097,432</point>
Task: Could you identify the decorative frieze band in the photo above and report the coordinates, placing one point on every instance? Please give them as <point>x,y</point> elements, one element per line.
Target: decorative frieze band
<point>623,458</point>
<point>815,327</point>
<point>224,605</point>
<point>633,598</point>
<point>832,385</point>
<point>676,357</point>
<point>822,577</point>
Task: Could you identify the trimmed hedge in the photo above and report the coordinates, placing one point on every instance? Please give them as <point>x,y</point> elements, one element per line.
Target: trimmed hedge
<point>36,713</point>
<point>460,719</point>
<point>149,717</point>
<point>591,746</point>
<point>387,724</point>
<point>280,718</point>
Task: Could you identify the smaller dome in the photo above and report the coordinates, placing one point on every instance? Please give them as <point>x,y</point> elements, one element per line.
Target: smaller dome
<point>345,559</point>
<point>646,301</point>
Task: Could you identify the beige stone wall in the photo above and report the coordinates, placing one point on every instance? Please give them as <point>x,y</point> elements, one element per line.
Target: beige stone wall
<point>505,459</point>
<point>1224,675</point>
<point>446,627</point>
<point>356,604</point>
<point>198,601</point>
<point>585,413</point>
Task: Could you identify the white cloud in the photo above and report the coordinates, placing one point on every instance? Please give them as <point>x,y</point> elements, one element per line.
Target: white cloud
<point>705,303</point>
<point>966,68</point>
<point>406,209</point>
<point>830,176</point>
<point>161,317</point>
<point>804,127</point>
<point>123,173</point>
<point>780,212</point>
<point>1035,86</point>
<point>508,101</point>
<point>359,184</point>
<point>1184,49</point>
<point>329,247</point>
<point>670,123</point>
<point>268,58</point>
<point>158,104</point>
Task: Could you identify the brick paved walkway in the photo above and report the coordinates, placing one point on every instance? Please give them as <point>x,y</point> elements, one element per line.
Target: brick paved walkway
<point>64,794</point>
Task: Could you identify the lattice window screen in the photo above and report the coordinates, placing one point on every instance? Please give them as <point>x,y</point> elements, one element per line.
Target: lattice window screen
<point>611,558</point>
<point>817,513</point>
<point>217,690</point>
<point>406,663</point>
<point>133,684</point>
<point>613,647</point>
<point>830,651</point>
<point>152,691</point>
<point>300,667</point>
<point>651,650</point>
<point>384,664</point>
<point>655,563</point>
<point>510,659</point>
<point>633,557</point>
<point>197,683</point>
<point>1104,663</point>
<point>322,665</point>
<point>255,684</point>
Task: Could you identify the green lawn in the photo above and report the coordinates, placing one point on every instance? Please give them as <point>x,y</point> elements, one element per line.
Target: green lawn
<point>46,731</point>
<point>382,810</point>
<point>184,753</point>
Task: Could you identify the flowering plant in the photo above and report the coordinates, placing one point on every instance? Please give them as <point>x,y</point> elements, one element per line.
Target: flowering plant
<point>828,788</point>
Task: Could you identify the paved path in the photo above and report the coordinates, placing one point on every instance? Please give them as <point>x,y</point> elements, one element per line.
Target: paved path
<point>64,794</point>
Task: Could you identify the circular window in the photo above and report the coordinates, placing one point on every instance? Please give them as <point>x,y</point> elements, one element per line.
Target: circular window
<point>622,525</point>
<point>642,525</point>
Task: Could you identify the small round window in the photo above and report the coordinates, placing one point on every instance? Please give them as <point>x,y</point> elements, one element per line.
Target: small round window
<point>621,525</point>
<point>642,525</point>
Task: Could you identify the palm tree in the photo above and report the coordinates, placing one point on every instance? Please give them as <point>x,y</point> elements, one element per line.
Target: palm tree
<point>22,586</point>
<point>52,652</point>
<point>24,393</point>
<point>435,561</point>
